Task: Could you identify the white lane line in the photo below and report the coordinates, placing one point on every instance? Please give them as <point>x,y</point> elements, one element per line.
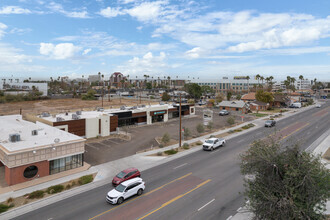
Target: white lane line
<point>229,217</point>
<point>205,205</point>
<point>239,209</point>
<point>180,166</point>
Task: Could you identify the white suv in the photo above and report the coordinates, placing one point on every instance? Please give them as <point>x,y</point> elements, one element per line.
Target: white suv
<point>125,190</point>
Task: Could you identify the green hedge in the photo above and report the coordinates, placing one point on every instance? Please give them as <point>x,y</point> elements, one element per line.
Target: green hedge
<point>170,152</point>
<point>55,189</point>
<point>85,179</point>
<point>36,194</point>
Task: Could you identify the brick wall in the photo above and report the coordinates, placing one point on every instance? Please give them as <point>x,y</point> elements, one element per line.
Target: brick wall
<point>15,175</point>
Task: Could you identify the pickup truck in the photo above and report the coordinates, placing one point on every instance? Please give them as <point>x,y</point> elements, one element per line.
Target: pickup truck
<point>212,143</point>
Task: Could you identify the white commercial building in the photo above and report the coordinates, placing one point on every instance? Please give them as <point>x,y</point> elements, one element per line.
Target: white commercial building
<point>17,86</point>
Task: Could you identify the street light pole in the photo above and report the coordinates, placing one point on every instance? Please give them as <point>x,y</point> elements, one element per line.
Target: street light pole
<point>180,122</point>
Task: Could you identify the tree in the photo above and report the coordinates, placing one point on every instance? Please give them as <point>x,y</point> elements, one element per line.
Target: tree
<point>166,138</point>
<point>263,96</point>
<point>194,90</point>
<point>207,90</point>
<point>231,120</point>
<point>229,94</point>
<point>90,95</point>
<point>186,133</point>
<point>262,81</point>
<point>258,77</point>
<point>219,98</point>
<point>248,78</point>
<point>301,77</point>
<point>166,97</point>
<point>200,128</point>
<point>238,96</point>
<point>149,85</point>
<point>286,183</point>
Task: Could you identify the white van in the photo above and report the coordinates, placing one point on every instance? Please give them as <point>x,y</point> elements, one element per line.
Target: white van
<point>296,105</point>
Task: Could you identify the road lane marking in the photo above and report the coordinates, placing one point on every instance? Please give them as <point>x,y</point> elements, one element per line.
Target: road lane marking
<point>239,209</point>
<point>180,166</point>
<point>205,205</point>
<point>229,217</point>
<point>131,200</point>
<point>176,198</point>
<point>295,131</point>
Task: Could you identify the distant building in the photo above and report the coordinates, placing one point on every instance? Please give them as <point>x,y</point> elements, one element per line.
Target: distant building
<point>94,78</point>
<point>250,97</point>
<point>18,86</point>
<point>238,106</point>
<point>299,85</point>
<point>116,79</point>
<point>32,150</point>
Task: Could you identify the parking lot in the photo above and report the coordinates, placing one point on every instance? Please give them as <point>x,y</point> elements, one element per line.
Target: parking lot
<point>143,137</point>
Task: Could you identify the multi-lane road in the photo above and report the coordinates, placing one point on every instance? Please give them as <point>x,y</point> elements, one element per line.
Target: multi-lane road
<point>201,185</point>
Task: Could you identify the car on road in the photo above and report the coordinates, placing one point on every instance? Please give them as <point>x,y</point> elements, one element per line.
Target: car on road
<point>270,123</point>
<point>223,112</point>
<point>124,175</point>
<point>125,190</point>
<point>212,143</point>
<point>318,106</point>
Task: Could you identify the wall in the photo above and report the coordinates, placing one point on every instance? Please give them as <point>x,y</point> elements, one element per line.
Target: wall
<point>92,127</point>
<point>113,123</point>
<point>105,125</point>
<point>76,127</point>
<point>15,175</point>
<point>192,110</point>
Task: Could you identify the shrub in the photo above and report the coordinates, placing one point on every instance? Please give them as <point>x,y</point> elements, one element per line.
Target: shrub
<point>200,128</point>
<point>85,179</point>
<point>185,146</point>
<point>73,183</point>
<point>166,138</point>
<point>161,146</point>
<point>231,120</point>
<point>170,152</point>
<point>3,208</point>
<point>211,136</point>
<point>55,189</point>
<point>68,186</point>
<point>210,125</point>
<point>199,143</point>
<point>237,130</point>
<point>231,131</point>
<point>9,200</point>
<point>36,194</point>
<point>186,133</point>
<point>159,153</point>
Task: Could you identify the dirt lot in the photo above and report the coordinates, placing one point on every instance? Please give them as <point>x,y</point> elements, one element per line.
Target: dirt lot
<point>143,137</point>
<point>61,105</point>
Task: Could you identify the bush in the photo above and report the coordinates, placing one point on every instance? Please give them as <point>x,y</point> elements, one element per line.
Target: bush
<point>55,189</point>
<point>161,146</point>
<point>159,153</point>
<point>166,97</point>
<point>3,208</point>
<point>68,186</point>
<point>166,138</point>
<point>73,183</point>
<point>186,133</point>
<point>9,200</point>
<point>199,143</point>
<point>185,146</point>
<point>200,128</point>
<point>85,179</point>
<point>210,125</point>
<point>170,152</point>
<point>231,120</point>
<point>36,194</point>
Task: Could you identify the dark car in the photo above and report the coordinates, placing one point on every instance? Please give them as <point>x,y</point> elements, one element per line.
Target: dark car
<point>270,123</point>
<point>224,112</point>
<point>125,175</point>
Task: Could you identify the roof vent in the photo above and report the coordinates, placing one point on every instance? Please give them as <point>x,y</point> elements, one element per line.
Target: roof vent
<point>74,116</point>
<point>45,114</point>
<point>56,140</point>
<point>100,109</point>
<point>122,107</point>
<point>14,137</point>
<point>162,103</point>
<point>78,112</point>
<point>66,113</point>
<point>34,132</point>
<point>58,119</point>
<point>143,106</point>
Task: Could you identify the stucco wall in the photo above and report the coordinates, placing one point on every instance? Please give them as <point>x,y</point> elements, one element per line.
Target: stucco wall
<point>92,127</point>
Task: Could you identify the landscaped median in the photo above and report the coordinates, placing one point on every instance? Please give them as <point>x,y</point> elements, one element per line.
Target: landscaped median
<point>39,194</point>
<point>187,146</point>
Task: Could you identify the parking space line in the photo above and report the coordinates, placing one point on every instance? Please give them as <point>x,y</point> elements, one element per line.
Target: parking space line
<point>205,205</point>
<point>180,166</point>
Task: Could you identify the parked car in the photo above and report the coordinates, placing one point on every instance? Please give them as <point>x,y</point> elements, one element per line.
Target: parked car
<point>212,143</point>
<point>296,105</point>
<point>223,112</point>
<point>124,175</point>
<point>125,190</point>
<point>270,123</point>
<point>201,103</point>
<point>318,106</point>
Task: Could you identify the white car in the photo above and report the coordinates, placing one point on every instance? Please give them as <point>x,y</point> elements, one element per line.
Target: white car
<point>318,106</point>
<point>125,190</point>
<point>212,143</point>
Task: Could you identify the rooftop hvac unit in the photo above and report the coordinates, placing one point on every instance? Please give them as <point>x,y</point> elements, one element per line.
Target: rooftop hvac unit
<point>59,119</point>
<point>66,113</point>
<point>100,109</point>
<point>143,106</point>
<point>14,138</point>
<point>75,117</point>
<point>162,103</point>
<point>34,132</point>
<point>45,114</point>
<point>78,112</point>
<point>122,107</point>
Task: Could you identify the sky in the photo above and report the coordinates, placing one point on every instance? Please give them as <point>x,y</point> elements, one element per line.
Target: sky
<point>206,39</point>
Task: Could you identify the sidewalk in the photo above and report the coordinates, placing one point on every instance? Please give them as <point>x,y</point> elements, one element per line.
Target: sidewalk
<point>106,171</point>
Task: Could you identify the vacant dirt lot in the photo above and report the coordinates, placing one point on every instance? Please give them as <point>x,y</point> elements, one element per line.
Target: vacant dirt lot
<point>61,105</point>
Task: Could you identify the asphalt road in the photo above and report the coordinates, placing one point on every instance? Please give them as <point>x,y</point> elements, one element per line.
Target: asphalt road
<point>201,185</point>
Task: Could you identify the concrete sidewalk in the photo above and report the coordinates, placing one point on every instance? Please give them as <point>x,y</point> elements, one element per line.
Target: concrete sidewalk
<point>106,171</point>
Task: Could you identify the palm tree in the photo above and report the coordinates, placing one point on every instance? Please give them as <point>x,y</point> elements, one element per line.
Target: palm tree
<point>293,80</point>
<point>258,77</point>
<point>248,78</point>
<point>301,77</point>
<point>169,81</point>
<point>262,82</point>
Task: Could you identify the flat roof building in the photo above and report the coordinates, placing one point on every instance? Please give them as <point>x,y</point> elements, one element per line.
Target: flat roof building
<point>32,150</point>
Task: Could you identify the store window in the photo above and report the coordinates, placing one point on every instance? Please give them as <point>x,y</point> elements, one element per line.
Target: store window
<point>30,171</point>
<point>192,110</point>
<point>66,163</point>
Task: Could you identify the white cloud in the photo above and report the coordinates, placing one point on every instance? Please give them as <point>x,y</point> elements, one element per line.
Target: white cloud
<point>59,51</point>
<point>14,10</point>
<point>2,29</point>
<point>72,14</point>
<point>146,11</point>
<point>87,51</point>
<point>111,12</point>
<point>194,53</point>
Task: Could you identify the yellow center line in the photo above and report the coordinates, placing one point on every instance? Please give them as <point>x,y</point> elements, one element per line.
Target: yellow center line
<point>174,199</point>
<point>295,131</point>
<point>154,190</point>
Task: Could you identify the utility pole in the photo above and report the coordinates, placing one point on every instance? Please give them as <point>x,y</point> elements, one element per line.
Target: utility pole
<point>102,90</point>
<point>180,122</point>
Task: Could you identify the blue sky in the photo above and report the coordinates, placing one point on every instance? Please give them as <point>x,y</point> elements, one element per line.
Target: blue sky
<point>205,39</point>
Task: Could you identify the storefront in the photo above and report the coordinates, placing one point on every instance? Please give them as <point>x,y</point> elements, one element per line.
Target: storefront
<point>66,163</point>
<point>158,116</point>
